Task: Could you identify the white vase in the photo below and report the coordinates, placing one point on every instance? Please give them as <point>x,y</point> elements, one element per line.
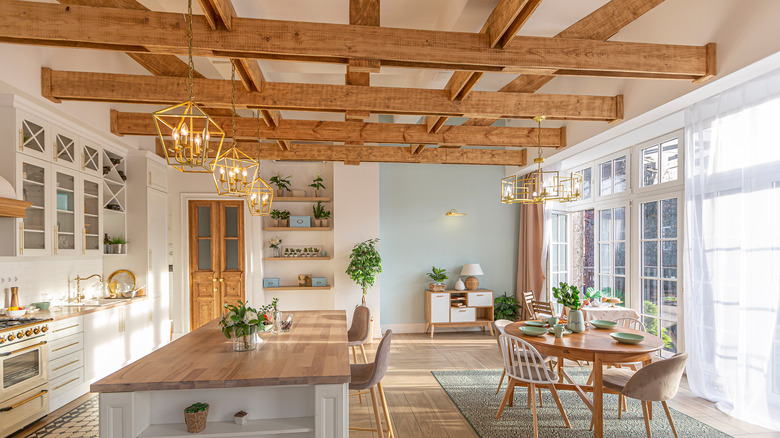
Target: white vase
<point>576,321</point>
<point>459,285</point>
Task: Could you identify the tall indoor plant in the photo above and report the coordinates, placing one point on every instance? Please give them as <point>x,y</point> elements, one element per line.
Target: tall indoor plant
<point>364,265</point>
<point>569,296</point>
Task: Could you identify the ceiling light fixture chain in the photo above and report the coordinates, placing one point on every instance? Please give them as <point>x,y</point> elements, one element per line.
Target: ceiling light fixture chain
<point>191,63</point>
<point>260,195</point>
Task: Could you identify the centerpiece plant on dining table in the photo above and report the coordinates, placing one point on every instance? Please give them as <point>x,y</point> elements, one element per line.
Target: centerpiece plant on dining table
<point>240,324</point>
<point>569,296</point>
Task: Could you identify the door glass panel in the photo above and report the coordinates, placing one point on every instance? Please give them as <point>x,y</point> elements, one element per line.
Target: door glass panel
<point>669,258</point>
<point>620,175</point>
<point>620,258</point>
<point>669,225</point>
<point>66,148</point>
<point>33,190</point>
<point>605,264</point>
<point>606,224</point>
<point>669,336</point>
<point>231,221</point>
<point>20,368</point>
<point>231,254</point>
<point>650,258</point>
<point>204,255</point>
<point>620,289</point>
<point>650,220</point>
<point>66,215</point>
<point>620,223</point>
<point>650,296</point>
<point>91,158</point>
<point>91,215</point>
<point>204,221</point>
<point>669,300</point>
<point>606,178</point>
<point>33,136</point>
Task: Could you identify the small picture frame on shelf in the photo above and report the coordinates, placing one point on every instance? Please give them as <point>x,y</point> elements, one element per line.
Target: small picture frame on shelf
<point>300,251</point>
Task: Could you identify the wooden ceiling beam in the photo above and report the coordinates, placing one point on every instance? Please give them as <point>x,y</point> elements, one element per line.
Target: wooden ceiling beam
<point>121,88</point>
<point>218,13</point>
<point>162,32</point>
<point>382,154</point>
<point>124,123</point>
<point>361,13</point>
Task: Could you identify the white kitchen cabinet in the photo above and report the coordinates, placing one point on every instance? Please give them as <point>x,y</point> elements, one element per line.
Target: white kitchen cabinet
<point>104,342</point>
<point>66,361</point>
<point>91,159</point>
<point>91,217</point>
<point>66,148</point>
<point>34,234</point>
<point>34,135</point>
<point>139,330</point>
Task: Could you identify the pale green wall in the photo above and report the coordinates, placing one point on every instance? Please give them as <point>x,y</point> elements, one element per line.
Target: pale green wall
<point>416,235</point>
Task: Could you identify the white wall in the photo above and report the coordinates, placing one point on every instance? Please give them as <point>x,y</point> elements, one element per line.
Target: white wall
<point>49,276</point>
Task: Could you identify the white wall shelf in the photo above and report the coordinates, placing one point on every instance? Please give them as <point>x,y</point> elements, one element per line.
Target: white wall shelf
<point>230,429</point>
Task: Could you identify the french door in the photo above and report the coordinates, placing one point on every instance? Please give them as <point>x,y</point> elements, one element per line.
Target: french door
<point>216,238</point>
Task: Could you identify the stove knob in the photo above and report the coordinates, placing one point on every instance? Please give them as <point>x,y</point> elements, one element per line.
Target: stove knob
<point>11,337</point>
<point>2,340</point>
<point>36,330</point>
<point>20,335</point>
<point>45,328</point>
<point>28,332</point>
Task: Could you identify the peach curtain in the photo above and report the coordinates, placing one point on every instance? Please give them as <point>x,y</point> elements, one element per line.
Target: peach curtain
<point>530,272</point>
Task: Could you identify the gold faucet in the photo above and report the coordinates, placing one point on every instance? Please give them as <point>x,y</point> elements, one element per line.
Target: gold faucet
<point>78,279</point>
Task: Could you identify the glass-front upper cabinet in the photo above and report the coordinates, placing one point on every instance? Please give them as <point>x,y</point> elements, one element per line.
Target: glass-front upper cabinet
<point>34,136</point>
<point>92,228</point>
<point>91,159</point>
<point>66,149</point>
<point>34,236</point>
<point>66,225</point>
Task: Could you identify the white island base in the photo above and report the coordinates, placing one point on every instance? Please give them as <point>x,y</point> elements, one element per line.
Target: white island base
<point>289,411</point>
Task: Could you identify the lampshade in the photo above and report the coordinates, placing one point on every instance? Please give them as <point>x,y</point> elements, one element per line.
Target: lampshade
<point>471,269</point>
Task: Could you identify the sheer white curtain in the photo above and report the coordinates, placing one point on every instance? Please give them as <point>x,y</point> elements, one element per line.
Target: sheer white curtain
<point>732,250</point>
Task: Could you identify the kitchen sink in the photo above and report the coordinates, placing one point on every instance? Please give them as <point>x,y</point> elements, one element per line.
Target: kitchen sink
<point>97,302</point>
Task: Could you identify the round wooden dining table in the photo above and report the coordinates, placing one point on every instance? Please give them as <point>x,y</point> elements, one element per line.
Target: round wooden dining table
<point>596,346</point>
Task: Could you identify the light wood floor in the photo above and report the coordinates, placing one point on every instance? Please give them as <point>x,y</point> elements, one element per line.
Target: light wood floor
<point>420,408</point>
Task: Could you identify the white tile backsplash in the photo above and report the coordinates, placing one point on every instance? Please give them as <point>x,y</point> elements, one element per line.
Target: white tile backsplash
<point>45,276</point>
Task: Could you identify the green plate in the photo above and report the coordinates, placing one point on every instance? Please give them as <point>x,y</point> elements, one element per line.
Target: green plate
<point>533,331</point>
<point>602,324</point>
<point>534,323</point>
<point>627,338</point>
<point>552,332</point>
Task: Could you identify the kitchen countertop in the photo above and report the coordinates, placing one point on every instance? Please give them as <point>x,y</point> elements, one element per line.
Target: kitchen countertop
<point>314,352</point>
<point>57,313</point>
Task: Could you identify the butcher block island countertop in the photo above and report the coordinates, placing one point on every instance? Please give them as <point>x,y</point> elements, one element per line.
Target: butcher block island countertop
<point>314,352</point>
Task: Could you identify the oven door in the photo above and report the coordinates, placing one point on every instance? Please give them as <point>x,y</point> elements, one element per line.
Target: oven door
<point>23,366</point>
<point>25,408</point>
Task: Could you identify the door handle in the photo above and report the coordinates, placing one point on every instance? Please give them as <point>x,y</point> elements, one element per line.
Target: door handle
<point>10,353</point>
<point>40,394</point>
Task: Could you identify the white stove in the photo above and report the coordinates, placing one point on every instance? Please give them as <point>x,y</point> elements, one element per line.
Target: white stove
<point>24,369</point>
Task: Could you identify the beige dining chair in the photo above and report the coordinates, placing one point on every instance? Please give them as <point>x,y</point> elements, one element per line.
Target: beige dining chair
<point>367,377</point>
<point>658,381</point>
<point>359,333</point>
<point>525,367</point>
<point>542,308</point>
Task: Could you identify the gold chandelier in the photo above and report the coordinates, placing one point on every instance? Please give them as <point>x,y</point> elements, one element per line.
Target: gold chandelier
<point>189,127</point>
<point>260,195</point>
<point>234,170</point>
<point>540,186</point>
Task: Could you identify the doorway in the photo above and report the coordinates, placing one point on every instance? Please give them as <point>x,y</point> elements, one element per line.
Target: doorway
<point>216,239</point>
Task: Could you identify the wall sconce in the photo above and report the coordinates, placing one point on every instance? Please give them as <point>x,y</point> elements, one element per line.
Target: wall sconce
<point>454,212</point>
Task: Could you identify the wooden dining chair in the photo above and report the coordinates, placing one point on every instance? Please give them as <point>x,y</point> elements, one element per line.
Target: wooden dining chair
<point>525,367</point>
<point>658,381</point>
<point>528,298</point>
<point>542,308</point>
<point>631,323</point>
<point>501,329</point>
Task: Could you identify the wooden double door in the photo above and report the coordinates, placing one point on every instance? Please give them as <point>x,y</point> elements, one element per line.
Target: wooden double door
<point>216,258</point>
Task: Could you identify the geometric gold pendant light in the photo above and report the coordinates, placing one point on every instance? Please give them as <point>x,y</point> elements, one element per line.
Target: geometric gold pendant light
<point>540,186</point>
<point>190,138</point>
<point>260,195</point>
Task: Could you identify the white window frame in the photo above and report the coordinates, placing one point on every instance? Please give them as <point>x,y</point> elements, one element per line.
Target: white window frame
<point>551,256</point>
<point>597,249</point>
<point>627,153</point>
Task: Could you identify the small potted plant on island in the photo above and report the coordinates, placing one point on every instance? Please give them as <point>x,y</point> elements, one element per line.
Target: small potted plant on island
<point>195,417</point>
<point>437,276</point>
<point>240,417</point>
<point>284,218</point>
<point>318,186</point>
<point>275,216</point>
<point>274,243</point>
<point>282,184</point>
<point>506,307</point>
<point>569,296</point>
<point>241,323</point>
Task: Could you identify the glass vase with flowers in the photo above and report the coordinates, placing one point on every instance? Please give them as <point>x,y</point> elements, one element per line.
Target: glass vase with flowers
<point>241,324</point>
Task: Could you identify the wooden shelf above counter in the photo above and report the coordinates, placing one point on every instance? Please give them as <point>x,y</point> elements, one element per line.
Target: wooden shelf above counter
<point>298,228</point>
<point>301,199</point>
<point>13,207</point>
<point>299,288</point>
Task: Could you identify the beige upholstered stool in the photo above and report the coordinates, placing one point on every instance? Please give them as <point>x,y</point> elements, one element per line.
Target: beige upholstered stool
<point>359,333</point>
<point>367,377</point>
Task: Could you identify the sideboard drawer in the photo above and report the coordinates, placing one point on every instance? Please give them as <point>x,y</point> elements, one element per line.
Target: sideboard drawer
<point>465,314</point>
<point>480,299</point>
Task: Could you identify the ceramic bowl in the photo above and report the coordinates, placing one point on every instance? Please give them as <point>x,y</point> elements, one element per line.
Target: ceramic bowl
<point>15,313</point>
<point>533,331</point>
<point>602,324</point>
<point>534,323</point>
<point>44,305</point>
<point>627,338</point>
<point>552,332</point>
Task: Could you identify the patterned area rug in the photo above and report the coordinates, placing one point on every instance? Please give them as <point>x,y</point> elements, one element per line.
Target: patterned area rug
<point>474,393</point>
<point>81,421</point>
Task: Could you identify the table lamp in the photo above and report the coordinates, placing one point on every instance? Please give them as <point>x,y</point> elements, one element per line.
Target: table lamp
<point>471,270</point>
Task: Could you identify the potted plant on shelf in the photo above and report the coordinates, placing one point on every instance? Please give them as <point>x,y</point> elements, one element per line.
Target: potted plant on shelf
<point>195,417</point>
<point>240,324</point>
<point>318,211</point>
<point>569,296</point>
<point>364,265</point>
<point>437,277</point>
<point>117,245</point>
<point>282,184</point>
<point>506,307</point>
<point>317,184</point>
<point>240,417</point>
<point>284,218</point>
<point>275,216</point>
<point>325,220</point>
<point>274,243</point>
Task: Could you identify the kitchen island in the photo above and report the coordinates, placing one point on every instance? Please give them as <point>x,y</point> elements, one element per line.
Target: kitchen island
<point>293,385</point>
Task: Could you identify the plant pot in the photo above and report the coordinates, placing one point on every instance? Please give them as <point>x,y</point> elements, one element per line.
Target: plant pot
<point>284,222</point>
<point>324,222</point>
<point>240,420</point>
<point>436,287</point>
<point>576,321</point>
<point>274,222</point>
<point>280,193</point>
<point>276,252</point>
<point>196,421</point>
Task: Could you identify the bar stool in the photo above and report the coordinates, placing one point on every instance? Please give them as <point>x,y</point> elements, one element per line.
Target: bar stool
<point>368,376</point>
<point>359,333</point>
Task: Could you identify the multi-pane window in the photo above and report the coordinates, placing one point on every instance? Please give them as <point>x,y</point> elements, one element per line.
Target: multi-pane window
<point>583,252</point>
<point>559,250</point>
<point>586,182</point>
<point>659,270</point>
<point>659,163</point>
<point>613,174</point>
<point>612,252</point>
